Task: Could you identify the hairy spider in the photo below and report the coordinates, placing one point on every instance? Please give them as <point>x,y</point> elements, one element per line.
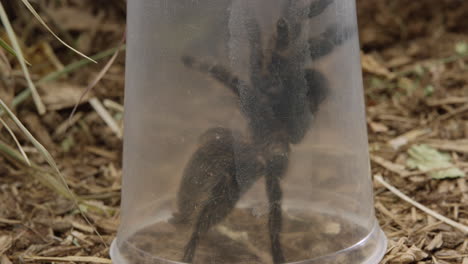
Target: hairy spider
<point>278,102</point>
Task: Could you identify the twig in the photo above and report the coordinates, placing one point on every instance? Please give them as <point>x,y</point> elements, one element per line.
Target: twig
<point>104,114</point>
<point>69,259</point>
<point>448,100</point>
<point>457,111</point>
<point>421,207</point>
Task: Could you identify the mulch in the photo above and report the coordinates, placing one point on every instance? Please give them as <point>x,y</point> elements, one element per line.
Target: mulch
<point>414,58</point>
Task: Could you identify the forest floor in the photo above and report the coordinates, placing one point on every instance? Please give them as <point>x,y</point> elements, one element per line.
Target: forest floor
<point>414,59</point>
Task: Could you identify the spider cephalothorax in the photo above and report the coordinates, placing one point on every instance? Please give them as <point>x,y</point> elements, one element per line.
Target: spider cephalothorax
<point>278,101</point>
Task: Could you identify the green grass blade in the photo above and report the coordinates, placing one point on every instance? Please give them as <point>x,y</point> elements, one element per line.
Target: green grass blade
<point>10,50</point>
<point>23,95</point>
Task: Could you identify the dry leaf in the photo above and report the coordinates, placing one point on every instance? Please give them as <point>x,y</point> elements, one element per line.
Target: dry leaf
<point>429,159</point>
<point>60,95</point>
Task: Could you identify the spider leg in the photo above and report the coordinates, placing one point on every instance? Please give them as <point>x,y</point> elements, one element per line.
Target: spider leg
<point>221,169</point>
<point>317,88</point>
<point>256,53</point>
<point>282,35</point>
<point>224,197</point>
<point>318,6</point>
<point>276,168</point>
<point>216,71</point>
<point>324,44</point>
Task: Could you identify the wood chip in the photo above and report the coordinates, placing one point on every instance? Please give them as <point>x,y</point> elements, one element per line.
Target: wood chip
<point>447,100</point>
<point>9,221</point>
<point>82,238</point>
<point>371,65</point>
<point>102,152</point>
<point>104,114</point>
<point>460,146</point>
<point>393,167</point>
<point>5,260</point>
<point>407,137</point>
<point>82,227</point>
<point>377,127</point>
<point>435,243</point>
<point>423,208</point>
<point>455,112</point>
<point>5,243</point>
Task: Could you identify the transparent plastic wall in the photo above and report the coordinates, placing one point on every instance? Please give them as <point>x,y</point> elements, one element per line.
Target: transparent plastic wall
<point>245,135</point>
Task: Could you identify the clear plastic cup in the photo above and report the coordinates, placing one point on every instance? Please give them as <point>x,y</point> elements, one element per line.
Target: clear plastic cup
<point>245,135</point>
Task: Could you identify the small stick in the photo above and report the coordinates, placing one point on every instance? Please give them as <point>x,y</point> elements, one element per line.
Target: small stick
<point>415,173</point>
<point>396,168</point>
<point>421,207</point>
<point>102,112</point>
<point>69,259</point>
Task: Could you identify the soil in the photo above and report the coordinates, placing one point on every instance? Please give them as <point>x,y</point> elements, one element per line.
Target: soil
<point>243,238</point>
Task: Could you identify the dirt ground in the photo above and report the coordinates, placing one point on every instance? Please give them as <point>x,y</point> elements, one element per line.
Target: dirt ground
<point>414,56</point>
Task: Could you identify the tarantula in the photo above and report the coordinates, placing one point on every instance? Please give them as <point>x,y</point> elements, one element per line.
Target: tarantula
<point>278,102</point>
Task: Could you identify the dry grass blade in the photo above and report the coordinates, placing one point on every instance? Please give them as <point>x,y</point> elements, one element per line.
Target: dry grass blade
<point>33,140</point>
<point>11,34</point>
<point>98,77</point>
<point>423,208</point>
<point>69,259</point>
<point>36,15</point>
<point>49,160</point>
<point>23,95</point>
<point>16,141</point>
<point>43,177</point>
